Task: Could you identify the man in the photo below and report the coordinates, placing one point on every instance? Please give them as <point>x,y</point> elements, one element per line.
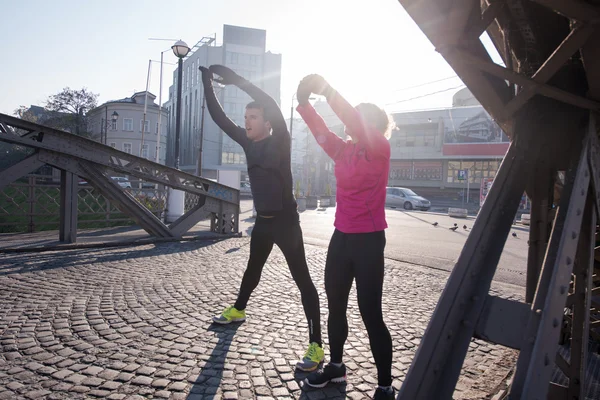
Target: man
<point>266,143</point>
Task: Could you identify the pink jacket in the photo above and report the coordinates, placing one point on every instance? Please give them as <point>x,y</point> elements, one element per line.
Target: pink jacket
<point>361,169</point>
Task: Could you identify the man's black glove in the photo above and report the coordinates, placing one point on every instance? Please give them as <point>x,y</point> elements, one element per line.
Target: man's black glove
<point>227,75</point>
<point>206,74</point>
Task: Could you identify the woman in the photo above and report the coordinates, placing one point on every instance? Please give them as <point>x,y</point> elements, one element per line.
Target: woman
<point>356,248</point>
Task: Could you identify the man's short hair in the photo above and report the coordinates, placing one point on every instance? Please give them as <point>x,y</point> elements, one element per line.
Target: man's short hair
<point>258,106</point>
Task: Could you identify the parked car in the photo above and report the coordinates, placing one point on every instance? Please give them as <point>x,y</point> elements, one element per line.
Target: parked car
<point>406,198</point>
<point>122,181</point>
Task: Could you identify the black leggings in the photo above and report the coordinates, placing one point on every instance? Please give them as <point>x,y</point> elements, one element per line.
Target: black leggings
<point>358,256</point>
<point>285,232</point>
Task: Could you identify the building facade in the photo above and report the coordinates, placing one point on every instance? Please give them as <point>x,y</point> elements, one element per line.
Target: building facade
<point>244,51</point>
<point>125,133</point>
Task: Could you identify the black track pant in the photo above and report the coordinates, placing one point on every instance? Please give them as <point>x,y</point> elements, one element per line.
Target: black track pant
<point>285,232</point>
<point>358,256</point>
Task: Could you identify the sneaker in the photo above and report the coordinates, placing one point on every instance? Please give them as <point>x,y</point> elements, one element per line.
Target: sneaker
<point>330,373</point>
<point>383,394</point>
<point>312,358</point>
<point>229,315</point>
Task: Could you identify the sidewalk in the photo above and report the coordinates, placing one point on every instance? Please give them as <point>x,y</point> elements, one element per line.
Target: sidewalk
<point>134,323</point>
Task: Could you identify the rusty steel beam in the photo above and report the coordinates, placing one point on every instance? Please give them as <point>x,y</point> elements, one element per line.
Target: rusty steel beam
<point>492,92</point>
<point>572,43</point>
<point>20,169</point>
<point>68,207</point>
<point>542,89</point>
<point>125,201</point>
<point>540,341</point>
<point>69,145</point>
<point>574,9</point>
<point>488,16</point>
<point>580,331</point>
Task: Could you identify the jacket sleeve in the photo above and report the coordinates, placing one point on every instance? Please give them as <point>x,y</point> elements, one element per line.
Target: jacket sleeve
<point>329,141</point>
<point>234,131</point>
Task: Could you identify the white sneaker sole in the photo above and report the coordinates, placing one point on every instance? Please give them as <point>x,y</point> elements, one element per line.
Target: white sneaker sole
<point>322,385</point>
<point>218,321</point>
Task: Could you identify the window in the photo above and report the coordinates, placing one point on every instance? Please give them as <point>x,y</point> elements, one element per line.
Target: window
<point>113,125</point>
<point>113,145</point>
<point>145,151</point>
<point>156,132</point>
<point>231,58</point>
<point>146,124</point>
<point>128,124</point>
<point>127,147</point>
<point>193,74</point>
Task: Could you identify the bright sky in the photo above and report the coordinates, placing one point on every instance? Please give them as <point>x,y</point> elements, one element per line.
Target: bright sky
<point>369,50</point>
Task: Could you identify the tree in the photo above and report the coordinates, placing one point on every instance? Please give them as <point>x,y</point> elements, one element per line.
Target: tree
<point>68,109</point>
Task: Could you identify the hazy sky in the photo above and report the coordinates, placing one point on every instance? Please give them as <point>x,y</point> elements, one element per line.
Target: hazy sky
<point>369,50</point>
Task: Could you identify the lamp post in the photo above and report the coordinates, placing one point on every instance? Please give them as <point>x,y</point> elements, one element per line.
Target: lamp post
<point>180,49</point>
<point>113,117</point>
<point>176,200</point>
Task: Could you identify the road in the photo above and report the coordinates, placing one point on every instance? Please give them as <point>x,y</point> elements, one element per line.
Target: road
<point>412,237</point>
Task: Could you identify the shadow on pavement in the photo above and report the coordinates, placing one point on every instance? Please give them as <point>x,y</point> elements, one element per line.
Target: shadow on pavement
<point>209,380</point>
<point>31,262</point>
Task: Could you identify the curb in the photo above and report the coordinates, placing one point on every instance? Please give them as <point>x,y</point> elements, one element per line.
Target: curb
<point>137,242</point>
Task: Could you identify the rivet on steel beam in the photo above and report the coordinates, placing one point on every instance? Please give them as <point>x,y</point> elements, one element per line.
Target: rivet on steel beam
<point>450,333</point>
<point>568,260</point>
<point>582,192</point>
<point>467,323</point>
<point>532,340</point>
<point>586,173</point>
<point>563,289</point>
<point>475,298</point>
<point>546,360</point>
<point>554,322</point>
<point>579,211</point>
<point>574,235</point>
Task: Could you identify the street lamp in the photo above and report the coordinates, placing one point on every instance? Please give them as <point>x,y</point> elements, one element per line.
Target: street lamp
<point>180,49</point>
<point>114,116</point>
<point>176,199</point>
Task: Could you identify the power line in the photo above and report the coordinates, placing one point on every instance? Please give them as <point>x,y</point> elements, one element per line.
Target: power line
<point>425,95</point>
<point>425,84</point>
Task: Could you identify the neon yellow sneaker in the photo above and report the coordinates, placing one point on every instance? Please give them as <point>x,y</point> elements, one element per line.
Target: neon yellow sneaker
<point>229,315</point>
<point>312,358</point>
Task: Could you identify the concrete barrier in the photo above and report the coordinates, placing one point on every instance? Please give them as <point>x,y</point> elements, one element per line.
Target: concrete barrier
<point>457,212</point>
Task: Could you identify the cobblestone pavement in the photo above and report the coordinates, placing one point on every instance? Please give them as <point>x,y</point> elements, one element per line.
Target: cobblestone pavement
<point>134,323</point>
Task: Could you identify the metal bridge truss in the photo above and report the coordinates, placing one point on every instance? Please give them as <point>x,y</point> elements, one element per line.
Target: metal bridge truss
<point>76,156</point>
<point>548,48</point>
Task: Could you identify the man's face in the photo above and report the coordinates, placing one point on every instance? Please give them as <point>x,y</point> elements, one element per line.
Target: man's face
<point>256,126</point>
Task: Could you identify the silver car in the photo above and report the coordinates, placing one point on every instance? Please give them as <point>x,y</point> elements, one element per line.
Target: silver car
<point>122,181</point>
<point>406,198</point>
